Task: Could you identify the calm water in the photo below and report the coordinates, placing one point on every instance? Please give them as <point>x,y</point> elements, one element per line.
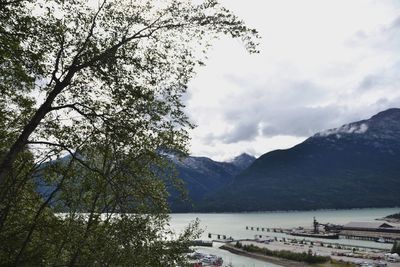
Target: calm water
<point>234,224</point>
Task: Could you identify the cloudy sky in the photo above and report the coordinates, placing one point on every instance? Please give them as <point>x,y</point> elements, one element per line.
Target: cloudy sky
<point>323,63</point>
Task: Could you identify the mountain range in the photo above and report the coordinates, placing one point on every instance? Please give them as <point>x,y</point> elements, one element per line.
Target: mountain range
<point>202,177</point>
<point>354,166</point>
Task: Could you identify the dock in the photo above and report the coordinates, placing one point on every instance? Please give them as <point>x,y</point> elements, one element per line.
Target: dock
<point>367,231</point>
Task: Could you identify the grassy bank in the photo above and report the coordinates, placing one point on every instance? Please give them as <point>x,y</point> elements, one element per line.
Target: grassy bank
<point>270,259</point>
<point>285,254</point>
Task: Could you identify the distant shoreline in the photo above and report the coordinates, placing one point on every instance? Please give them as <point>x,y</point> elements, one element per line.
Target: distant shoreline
<point>389,220</point>
<point>281,211</point>
<point>392,218</point>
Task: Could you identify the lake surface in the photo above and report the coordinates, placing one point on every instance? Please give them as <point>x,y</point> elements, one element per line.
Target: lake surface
<point>234,224</point>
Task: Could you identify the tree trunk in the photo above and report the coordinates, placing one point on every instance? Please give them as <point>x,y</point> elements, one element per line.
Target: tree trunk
<point>19,145</point>
<point>34,224</point>
<point>75,256</point>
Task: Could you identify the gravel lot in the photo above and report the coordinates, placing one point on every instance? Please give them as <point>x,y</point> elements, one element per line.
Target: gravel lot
<point>323,251</point>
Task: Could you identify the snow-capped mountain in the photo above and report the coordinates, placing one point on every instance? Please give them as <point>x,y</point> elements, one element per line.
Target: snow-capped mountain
<point>243,161</point>
<point>353,166</point>
<point>381,129</point>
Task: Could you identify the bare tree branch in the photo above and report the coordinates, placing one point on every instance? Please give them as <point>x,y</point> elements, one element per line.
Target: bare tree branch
<point>90,34</point>
<point>57,63</point>
<point>66,148</point>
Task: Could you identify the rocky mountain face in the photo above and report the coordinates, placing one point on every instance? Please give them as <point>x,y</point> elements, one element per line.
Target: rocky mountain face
<point>203,176</point>
<point>243,161</point>
<point>356,165</point>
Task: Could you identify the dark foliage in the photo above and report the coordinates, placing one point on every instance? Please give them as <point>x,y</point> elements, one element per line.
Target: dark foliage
<point>394,216</point>
<point>396,247</point>
<point>285,254</point>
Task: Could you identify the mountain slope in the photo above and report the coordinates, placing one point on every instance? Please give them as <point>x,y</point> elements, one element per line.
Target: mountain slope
<point>203,176</point>
<point>356,165</point>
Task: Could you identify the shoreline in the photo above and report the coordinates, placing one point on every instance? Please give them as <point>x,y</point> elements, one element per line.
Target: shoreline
<point>389,220</point>
<point>280,211</point>
<point>270,259</point>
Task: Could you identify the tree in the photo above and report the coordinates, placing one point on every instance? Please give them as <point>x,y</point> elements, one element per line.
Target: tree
<point>396,247</point>
<point>101,82</point>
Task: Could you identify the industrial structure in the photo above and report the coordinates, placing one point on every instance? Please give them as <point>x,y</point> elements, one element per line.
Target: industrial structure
<point>374,231</point>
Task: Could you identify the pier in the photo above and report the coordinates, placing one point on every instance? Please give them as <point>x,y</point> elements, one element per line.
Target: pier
<point>266,229</point>
<point>201,243</point>
<point>367,231</point>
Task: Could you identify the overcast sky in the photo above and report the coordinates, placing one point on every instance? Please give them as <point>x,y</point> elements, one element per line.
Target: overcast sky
<point>323,63</point>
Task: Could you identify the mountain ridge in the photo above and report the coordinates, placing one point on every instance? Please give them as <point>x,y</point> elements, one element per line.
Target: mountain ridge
<point>353,166</point>
<point>203,176</point>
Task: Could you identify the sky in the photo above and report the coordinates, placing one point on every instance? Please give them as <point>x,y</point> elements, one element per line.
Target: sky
<point>322,64</point>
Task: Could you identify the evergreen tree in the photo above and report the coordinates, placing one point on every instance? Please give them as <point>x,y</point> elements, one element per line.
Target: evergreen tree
<point>396,247</point>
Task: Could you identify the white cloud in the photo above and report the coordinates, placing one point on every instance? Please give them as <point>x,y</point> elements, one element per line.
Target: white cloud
<point>345,129</point>
<point>322,64</point>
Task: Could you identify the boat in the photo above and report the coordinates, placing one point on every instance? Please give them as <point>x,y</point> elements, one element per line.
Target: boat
<point>212,260</point>
<point>384,240</point>
<point>196,255</point>
<point>205,259</point>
